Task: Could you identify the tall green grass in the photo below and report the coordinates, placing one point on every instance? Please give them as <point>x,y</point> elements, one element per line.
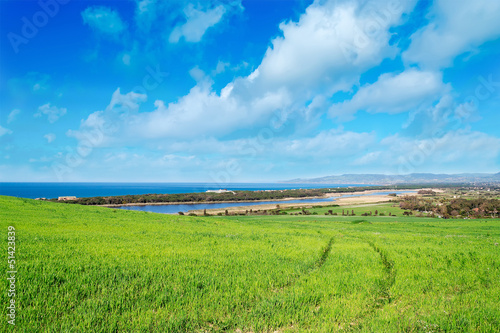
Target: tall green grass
<point>102,270</point>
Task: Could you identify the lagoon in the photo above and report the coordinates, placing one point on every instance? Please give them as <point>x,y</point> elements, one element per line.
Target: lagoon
<point>176,208</point>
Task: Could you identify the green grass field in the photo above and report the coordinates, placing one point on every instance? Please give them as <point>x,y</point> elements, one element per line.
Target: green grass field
<point>102,270</point>
<point>383,208</point>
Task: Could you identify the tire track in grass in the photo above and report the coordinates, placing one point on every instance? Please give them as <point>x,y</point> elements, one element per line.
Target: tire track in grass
<point>324,255</point>
<point>325,252</point>
<point>274,299</point>
<point>384,293</point>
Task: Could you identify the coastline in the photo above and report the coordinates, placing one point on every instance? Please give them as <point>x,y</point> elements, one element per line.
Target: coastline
<point>354,198</point>
<point>327,195</point>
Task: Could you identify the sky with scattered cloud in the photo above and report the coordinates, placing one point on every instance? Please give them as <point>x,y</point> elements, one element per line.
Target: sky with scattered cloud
<point>247,91</point>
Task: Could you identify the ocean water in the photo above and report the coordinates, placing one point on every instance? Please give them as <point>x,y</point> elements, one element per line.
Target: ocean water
<point>81,190</point>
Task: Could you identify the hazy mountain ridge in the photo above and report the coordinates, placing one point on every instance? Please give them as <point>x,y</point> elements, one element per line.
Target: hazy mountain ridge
<point>414,178</point>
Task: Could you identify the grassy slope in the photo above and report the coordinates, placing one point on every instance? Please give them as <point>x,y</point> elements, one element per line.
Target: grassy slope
<point>97,269</point>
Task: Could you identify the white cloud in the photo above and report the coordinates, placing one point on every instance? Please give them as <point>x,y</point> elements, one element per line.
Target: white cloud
<point>331,45</point>
<point>328,144</point>
<point>4,131</point>
<point>12,115</point>
<point>50,137</point>
<point>197,23</point>
<point>103,19</point>
<point>53,113</point>
<point>455,27</point>
<point>221,67</point>
<point>327,50</point>
<point>458,150</point>
<point>101,126</point>
<point>367,159</point>
<point>309,60</point>
<point>393,93</point>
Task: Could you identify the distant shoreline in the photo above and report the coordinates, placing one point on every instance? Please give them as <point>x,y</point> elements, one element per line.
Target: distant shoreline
<point>326,196</point>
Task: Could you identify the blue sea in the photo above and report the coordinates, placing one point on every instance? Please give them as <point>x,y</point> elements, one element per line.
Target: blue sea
<point>81,190</point>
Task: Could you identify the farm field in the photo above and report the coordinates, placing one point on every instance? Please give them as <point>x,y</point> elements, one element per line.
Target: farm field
<point>382,208</point>
<point>97,269</point>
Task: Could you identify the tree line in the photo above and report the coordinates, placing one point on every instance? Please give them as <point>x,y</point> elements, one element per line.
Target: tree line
<point>459,207</point>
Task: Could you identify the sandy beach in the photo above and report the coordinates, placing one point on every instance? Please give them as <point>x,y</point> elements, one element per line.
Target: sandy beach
<point>339,199</point>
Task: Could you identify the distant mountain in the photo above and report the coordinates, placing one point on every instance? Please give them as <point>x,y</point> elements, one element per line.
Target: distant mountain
<point>414,178</point>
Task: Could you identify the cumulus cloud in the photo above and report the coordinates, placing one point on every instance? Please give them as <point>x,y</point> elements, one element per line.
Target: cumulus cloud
<point>53,113</point>
<point>325,51</point>
<point>455,27</point>
<point>12,115</point>
<point>101,126</point>
<point>104,20</point>
<point>331,45</point>
<point>197,23</point>
<point>393,93</point>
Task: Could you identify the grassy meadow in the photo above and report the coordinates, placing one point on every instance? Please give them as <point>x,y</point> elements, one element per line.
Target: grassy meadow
<point>96,269</point>
<point>381,208</point>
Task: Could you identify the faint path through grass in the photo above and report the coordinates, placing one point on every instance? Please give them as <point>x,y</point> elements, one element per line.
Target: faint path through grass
<point>384,296</point>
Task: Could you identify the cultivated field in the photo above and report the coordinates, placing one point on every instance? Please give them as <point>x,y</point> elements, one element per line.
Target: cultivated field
<point>103,270</point>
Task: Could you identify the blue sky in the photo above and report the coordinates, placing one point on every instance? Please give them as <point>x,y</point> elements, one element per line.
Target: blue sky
<point>238,91</point>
